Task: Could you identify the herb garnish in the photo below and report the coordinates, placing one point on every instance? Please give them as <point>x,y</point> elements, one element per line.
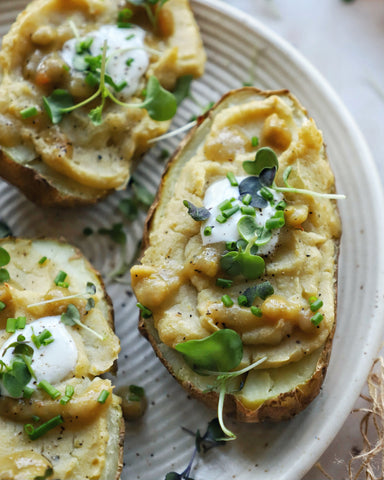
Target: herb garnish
<point>72,317</point>
<point>216,355</point>
<point>197,213</point>
<point>212,438</point>
<point>159,103</point>
<point>149,5</point>
<point>35,433</point>
<point>4,260</point>
<point>48,473</point>
<point>90,289</point>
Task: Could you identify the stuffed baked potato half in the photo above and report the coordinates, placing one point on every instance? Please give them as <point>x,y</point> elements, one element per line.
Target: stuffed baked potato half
<point>84,86</point>
<point>238,279</point>
<point>58,417</point>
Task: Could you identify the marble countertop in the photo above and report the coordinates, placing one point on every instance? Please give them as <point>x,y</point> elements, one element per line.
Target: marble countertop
<point>343,40</point>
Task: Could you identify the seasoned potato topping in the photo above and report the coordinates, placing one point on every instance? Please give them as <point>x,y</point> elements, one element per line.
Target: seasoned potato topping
<point>245,237</point>
<point>77,118</point>
<point>56,337</point>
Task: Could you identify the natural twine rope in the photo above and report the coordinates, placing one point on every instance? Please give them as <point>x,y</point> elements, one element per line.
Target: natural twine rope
<point>369,463</point>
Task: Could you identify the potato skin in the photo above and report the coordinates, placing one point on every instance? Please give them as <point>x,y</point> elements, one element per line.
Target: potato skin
<point>284,406</point>
<point>39,189</point>
<point>116,424</point>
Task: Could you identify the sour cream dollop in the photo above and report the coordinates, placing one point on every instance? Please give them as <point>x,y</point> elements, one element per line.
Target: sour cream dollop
<point>222,190</point>
<point>52,362</point>
<point>127,59</point>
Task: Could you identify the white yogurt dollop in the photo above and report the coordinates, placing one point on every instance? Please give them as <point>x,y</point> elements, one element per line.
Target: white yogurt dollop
<point>52,362</point>
<point>227,232</point>
<point>127,59</point>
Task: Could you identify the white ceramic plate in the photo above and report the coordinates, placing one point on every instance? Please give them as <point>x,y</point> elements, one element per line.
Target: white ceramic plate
<point>239,50</point>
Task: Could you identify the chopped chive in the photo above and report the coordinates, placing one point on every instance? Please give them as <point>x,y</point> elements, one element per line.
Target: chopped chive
<point>317,318</point>
<point>44,338</point>
<point>91,79</point>
<point>145,312</point>
<point>256,311</point>
<point>248,210</point>
<point>227,300</point>
<point>11,325</point>
<point>232,179</point>
<point>42,260</point>
<point>316,304</point>
<point>2,305</point>
<point>221,219</point>
<point>267,194</point>
<point>231,246</point>
<point>60,277</point>
<point>62,284</point>
<point>69,391</point>
<point>247,199</point>
<point>29,112</point>
<point>255,141</point>
<point>223,282</point>
<point>230,211</point>
<point>130,37</point>
<point>28,392</point>
<point>208,231</point>
<point>50,389</point>
<point>282,205</point>
<point>277,221</point>
<point>242,300</point>
<point>20,323</point>
<point>103,396</point>
<point>225,204</point>
<point>35,433</point>
<point>35,418</point>
<point>123,18</point>
<point>129,62</point>
<point>14,324</point>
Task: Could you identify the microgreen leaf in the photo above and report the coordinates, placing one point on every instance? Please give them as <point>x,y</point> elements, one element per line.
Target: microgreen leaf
<point>251,186</point>
<point>72,317</point>
<point>249,230</point>
<point>197,213</point>
<point>262,290</point>
<point>5,258</point>
<point>56,102</point>
<point>213,437</point>
<point>16,377</point>
<point>244,263</point>
<point>160,104</point>
<point>182,88</point>
<point>221,351</point>
<point>265,158</point>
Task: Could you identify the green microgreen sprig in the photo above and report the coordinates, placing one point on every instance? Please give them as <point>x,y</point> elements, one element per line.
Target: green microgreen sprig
<point>149,5</point>
<point>160,104</point>
<point>72,317</point>
<point>90,289</point>
<point>5,258</point>
<point>216,355</point>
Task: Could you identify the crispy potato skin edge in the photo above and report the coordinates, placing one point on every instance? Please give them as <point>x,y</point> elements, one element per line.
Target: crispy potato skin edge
<point>37,188</point>
<point>285,405</point>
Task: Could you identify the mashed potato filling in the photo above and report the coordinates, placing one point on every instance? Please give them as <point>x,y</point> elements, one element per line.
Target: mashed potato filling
<point>177,276</point>
<point>36,60</point>
<point>33,292</point>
